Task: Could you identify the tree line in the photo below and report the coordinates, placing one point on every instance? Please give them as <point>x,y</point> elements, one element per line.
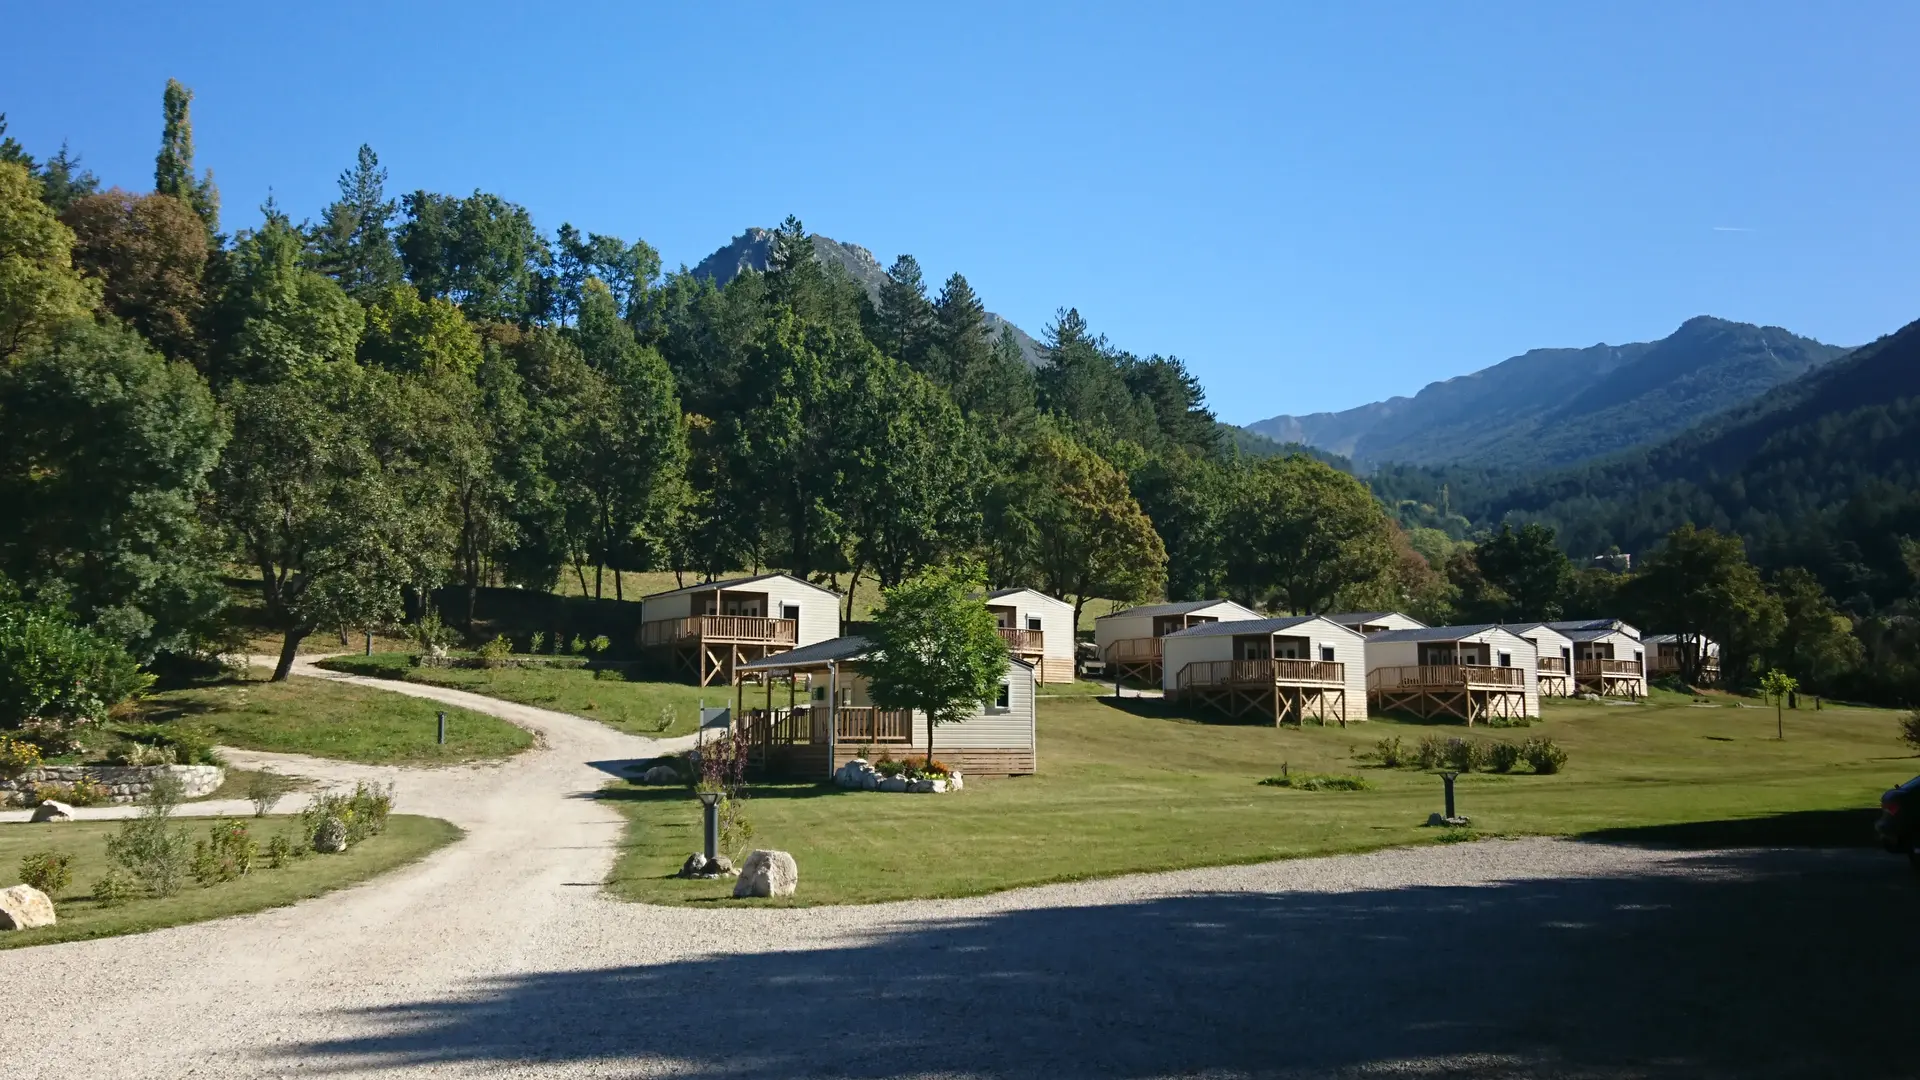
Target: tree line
<point>402,392</point>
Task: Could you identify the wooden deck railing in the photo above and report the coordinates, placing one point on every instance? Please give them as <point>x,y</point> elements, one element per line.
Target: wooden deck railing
<point>1129,650</point>
<point>741,628</point>
<point>1444,676</point>
<point>779,727</point>
<point>865,724</point>
<point>1023,641</point>
<point>1260,672</point>
<point>1553,665</point>
<point>1606,667</point>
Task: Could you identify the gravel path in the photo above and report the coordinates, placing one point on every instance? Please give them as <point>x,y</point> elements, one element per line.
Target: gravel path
<point>499,955</point>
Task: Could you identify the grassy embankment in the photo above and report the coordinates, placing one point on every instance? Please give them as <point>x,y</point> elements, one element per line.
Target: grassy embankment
<point>1129,790</point>
<point>406,839</point>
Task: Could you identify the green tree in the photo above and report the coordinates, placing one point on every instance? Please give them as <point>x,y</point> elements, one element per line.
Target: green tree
<point>1186,497</point>
<point>1777,684</point>
<point>149,253</point>
<point>1816,638</point>
<point>276,319</point>
<point>903,323</point>
<point>408,334</point>
<point>915,477</point>
<point>353,243</point>
<point>39,288</point>
<point>624,270</point>
<point>57,677</point>
<point>323,492</point>
<point>105,453</point>
<point>936,648</point>
<point>173,167</point>
<point>64,182</point>
<point>482,253</point>
<point>1529,568</point>
<point>1302,533</point>
<point>1699,584</point>
<point>1065,520</point>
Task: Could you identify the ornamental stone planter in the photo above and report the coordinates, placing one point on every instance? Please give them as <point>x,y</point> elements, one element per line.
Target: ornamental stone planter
<point>858,775</point>
<point>123,783</point>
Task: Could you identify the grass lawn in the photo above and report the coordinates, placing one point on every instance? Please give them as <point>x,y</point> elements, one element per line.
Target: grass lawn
<point>406,839</point>
<point>333,720</point>
<point>1122,791</point>
<point>606,696</point>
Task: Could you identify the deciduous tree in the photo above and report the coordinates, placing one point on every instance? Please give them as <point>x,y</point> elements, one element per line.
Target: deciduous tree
<point>149,253</point>
<point>173,167</point>
<point>1301,532</point>
<point>39,288</point>
<point>276,319</point>
<point>936,648</point>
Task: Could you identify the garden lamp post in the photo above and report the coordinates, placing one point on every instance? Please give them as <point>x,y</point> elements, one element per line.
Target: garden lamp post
<point>710,810</point>
<point>442,735</point>
<point>1447,779</point>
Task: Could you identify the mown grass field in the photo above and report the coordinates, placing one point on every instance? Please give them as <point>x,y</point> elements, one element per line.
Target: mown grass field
<point>333,720</point>
<point>635,706</point>
<point>406,839</point>
<point>1128,790</point>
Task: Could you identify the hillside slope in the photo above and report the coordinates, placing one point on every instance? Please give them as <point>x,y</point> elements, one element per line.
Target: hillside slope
<point>749,251</point>
<point>1565,406</point>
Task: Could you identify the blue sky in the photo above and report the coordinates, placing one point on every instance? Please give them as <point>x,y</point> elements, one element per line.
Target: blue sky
<point>1313,208</point>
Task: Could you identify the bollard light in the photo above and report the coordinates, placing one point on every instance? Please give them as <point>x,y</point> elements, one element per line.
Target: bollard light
<point>1447,779</point>
<point>443,729</point>
<point>710,810</point>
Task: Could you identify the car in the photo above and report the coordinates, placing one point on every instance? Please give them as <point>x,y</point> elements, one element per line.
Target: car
<point>1899,824</point>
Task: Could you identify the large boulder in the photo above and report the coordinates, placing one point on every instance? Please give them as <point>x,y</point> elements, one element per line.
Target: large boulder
<point>893,783</point>
<point>767,873</point>
<point>330,837</point>
<point>24,907</point>
<point>53,810</point>
<point>661,774</point>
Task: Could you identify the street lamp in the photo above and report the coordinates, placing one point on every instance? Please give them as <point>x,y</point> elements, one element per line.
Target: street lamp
<point>1447,778</point>
<point>710,809</point>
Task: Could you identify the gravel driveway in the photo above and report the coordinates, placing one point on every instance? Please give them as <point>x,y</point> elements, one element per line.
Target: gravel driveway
<point>499,955</point>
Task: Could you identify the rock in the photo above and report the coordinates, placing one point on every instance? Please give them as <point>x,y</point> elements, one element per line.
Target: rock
<point>661,774</point>
<point>1438,820</point>
<point>331,837</point>
<point>24,907</point>
<point>893,783</point>
<point>53,811</point>
<point>939,786</point>
<point>695,866</point>
<point>922,787</point>
<point>869,781</point>
<point>767,873</point>
<point>720,866</point>
<point>954,783</point>
<point>853,775</point>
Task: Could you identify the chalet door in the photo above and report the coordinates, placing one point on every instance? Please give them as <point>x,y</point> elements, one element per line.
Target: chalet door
<point>745,608</point>
<point>1255,648</point>
<point>1287,650</point>
<point>1437,655</point>
<point>790,612</point>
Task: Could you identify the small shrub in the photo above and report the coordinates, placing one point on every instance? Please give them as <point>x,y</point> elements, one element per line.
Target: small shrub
<point>1318,782</point>
<point>140,755</point>
<point>886,766</point>
<point>280,851</point>
<point>226,854</point>
<point>668,714</point>
<point>494,653</point>
<point>265,790</point>
<point>1909,734</point>
<point>363,813</point>
<point>430,633</point>
<point>113,889</point>
<point>18,757</point>
<point>599,644</point>
<point>1509,721</point>
<point>48,871</point>
<point>1545,757</point>
<point>607,674</point>
<point>149,847</point>
<point>81,792</point>
<point>1462,755</point>
<point>1390,752</point>
<point>1430,752</point>
<point>579,646</point>
<point>537,642</point>
<point>1503,756</point>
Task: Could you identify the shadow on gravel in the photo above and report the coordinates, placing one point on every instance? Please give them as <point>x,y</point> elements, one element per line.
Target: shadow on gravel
<point>1763,964</point>
<point>1852,828</point>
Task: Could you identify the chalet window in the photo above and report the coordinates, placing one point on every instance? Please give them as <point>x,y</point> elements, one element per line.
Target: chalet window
<point>1002,700</point>
<point>1506,659</point>
<point>1326,653</point>
<point>1033,623</point>
<point>820,693</point>
<point>1566,652</point>
<point>790,612</point>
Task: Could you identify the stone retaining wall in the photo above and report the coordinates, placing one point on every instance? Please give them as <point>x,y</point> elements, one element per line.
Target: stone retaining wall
<point>124,783</point>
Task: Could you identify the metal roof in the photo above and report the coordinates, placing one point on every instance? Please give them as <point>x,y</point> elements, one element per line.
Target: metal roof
<point>849,647</point>
<point>1170,609</point>
<point>1436,633</point>
<point>735,583</point>
<point>998,593</point>
<point>1242,626</point>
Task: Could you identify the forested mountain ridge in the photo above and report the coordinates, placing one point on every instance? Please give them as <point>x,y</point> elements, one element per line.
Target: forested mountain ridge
<point>752,249</point>
<point>1566,406</point>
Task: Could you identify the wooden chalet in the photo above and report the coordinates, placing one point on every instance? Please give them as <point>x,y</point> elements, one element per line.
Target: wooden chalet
<point>1667,653</point>
<point>1373,622</point>
<point>1470,672</point>
<point>1288,669</point>
<point>1129,641</point>
<point>827,717</point>
<point>1555,651</point>
<point>1608,657</point>
<point>1038,629</point>
<point>708,631</point>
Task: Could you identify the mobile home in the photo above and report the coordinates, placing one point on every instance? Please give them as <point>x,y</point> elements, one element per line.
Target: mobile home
<point>1038,629</point>
<point>710,630</point>
<point>1474,673</point>
<point>1555,650</point>
<point>1290,669</point>
<point>1129,641</point>
<point>1373,622</point>
<point>1608,657</point>
<point>1667,653</point>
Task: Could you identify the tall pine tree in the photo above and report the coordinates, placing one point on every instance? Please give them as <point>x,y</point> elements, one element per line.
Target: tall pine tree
<point>353,244</point>
<point>173,168</point>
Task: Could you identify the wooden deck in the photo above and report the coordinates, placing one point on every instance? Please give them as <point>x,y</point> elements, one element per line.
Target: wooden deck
<point>803,741</point>
<point>1024,642</point>
<point>1554,678</point>
<point>711,647</point>
<point>1136,659</point>
<point>1286,690</point>
<point>1609,678</point>
<point>1467,691</point>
